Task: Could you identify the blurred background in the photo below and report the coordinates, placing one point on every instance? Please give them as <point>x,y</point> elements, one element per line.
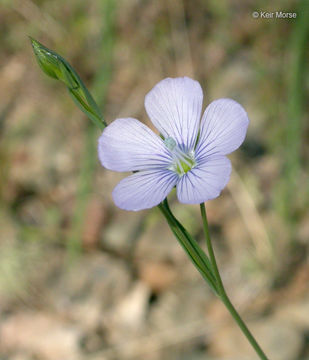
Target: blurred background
<point>81,279</point>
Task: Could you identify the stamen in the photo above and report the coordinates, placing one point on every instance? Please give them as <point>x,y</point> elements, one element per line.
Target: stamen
<point>182,161</point>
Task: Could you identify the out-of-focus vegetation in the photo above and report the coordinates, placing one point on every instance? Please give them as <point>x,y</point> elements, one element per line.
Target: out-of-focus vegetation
<point>80,279</point>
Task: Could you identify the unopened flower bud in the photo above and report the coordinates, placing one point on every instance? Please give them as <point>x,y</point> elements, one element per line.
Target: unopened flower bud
<point>54,65</point>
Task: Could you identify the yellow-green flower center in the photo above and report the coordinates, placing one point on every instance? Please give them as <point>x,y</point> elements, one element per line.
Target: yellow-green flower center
<point>183,161</point>
<point>182,167</point>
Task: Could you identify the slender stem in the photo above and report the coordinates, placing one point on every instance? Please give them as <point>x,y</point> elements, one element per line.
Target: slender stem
<point>197,256</point>
<point>222,293</point>
<point>191,240</point>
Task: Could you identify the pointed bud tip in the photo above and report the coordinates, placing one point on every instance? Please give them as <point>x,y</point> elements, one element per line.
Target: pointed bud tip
<point>36,45</point>
<point>54,65</point>
<point>32,40</point>
<point>47,60</point>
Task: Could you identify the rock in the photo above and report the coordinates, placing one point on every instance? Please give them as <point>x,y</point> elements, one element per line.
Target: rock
<point>19,356</point>
<point>130,312</point>
<point>175,308</point>
<point>87,313</point>
<point>40,334</point>
<point>87,291</point>
<point>158,275</point>
<point>158,243</point>
<point>121,234</point>
<point>295,314</point>
<point>94,276</point>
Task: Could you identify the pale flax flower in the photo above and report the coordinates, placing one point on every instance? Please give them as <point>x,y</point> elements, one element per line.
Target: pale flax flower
<point>191,154</point>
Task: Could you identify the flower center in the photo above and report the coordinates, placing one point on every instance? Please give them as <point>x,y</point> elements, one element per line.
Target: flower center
<point>183,161</point>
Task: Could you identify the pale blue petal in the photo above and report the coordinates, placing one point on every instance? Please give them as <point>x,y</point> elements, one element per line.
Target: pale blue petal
<point>223,128</point>
<point>174,106</point>
<point>128,145</point>
<point>144,189</point>
<point>205,181</point>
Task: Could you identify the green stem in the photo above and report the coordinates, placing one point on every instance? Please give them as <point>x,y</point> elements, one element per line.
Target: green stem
<point>191,240</point>
<point>222,293</point>
<point>195,253</point>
